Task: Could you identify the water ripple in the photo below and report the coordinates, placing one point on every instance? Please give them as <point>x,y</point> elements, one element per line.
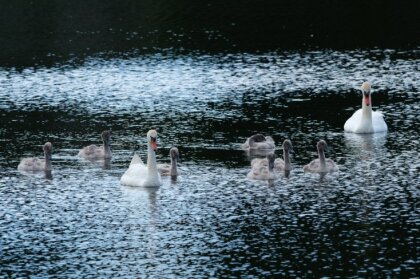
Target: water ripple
<point>212,221</point>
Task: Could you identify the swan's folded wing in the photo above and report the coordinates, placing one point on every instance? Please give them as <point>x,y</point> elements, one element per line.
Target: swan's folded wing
<point>135,175</point>
<point>269,139</point>
<point>259,162</point>
<point>353,122</point>
<point>136,160</point>
<point>164,169</point>
<point>331,165</point>
<point>313,166</point>
<point>279,164</point>
<point>88,151</point>
<point>378,122</point>
<point>31,164</point>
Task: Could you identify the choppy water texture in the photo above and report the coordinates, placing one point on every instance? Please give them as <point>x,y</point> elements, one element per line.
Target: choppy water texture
<point>213,221</point>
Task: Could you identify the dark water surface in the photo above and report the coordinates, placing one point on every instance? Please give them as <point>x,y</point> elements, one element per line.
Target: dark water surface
<point>43,32</point>
<point>212,222</point>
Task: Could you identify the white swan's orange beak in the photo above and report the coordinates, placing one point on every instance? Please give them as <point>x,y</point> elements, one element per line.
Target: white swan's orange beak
<point>367,100</point>
<point>153,144</point>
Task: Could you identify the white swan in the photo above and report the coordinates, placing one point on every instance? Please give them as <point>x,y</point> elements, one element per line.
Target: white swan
<point>259,142</point>
<point>261,172</point>
<point>139,174</point>
<point>170,169</point>
<point>94,152</point>
<point>279,164</point>
<point>364,120</point>
<point>36,164</point>
<point>322,164</point>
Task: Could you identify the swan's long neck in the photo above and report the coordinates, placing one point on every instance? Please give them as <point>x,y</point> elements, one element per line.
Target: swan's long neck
<point>107,149</point>
<point>48,166</point>
<point>151,162</point>
<point>322,159</point>
<point>367,109</point>
<point>366,124</point>
<point>174,170</point>
<point>286,156</point>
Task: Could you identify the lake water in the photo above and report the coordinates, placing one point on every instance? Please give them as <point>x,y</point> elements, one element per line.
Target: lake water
<point>362,221</point>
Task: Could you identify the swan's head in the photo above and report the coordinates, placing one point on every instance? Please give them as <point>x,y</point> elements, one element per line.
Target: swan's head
<point>270,158</point>
<point>287,146</point>
<point>152,139</point>
<point>322,145</point>
<point>366,92</point>
<point>174,153</point>
<point>106,136</point>
<point>47,148</point>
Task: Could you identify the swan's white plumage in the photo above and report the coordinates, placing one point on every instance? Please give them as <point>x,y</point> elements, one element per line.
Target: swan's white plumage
<point>365,120</point>
<point>136,175</point>
<point>136,159</point>
<point>140,175</point>
<point>355,123</point>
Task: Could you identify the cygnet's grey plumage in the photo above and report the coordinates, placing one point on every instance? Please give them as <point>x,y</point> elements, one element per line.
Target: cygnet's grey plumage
<point>322,164</point>
<point>259,142</point>
<point>170,169</point>
<point>279,164</point>
<point>263,172</point>
<point>36,164</point>
<point>94,152</point>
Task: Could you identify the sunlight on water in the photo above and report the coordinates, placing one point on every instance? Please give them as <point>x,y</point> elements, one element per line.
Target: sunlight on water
<point>212,221</point>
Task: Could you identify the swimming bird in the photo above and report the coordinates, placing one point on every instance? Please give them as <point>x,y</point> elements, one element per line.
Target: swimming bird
<point>321,165</point>
<point>279,164</point>
<point>261,172</point>
<point>139,174</point>
<point>170,169</point>
<point>365,120</point>
<point>284,165</point>
<point>36,164</point>
<point>259,142</point>
<point>93,152</point>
